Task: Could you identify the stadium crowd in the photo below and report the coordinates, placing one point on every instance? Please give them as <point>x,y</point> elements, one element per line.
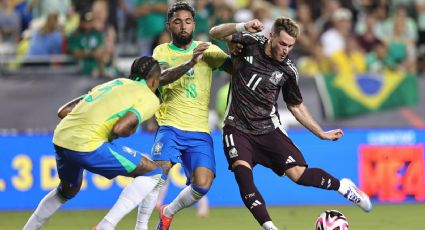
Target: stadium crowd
<point>337,35</point>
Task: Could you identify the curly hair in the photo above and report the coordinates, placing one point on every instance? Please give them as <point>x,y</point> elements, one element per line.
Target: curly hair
<point>182,5</point>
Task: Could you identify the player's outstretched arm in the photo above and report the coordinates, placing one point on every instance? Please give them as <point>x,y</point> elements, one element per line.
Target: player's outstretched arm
<point>67,108</point>
<point>169,75</point>
<point>302,115</point>
<point>224,31</point>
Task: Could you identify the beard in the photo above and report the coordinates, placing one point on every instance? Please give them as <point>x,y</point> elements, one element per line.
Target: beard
<point>182,40</point>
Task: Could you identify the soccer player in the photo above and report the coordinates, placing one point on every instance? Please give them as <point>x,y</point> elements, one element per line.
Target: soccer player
<point>253,132</point>
<point>184,135</point>
<point>84,140</point>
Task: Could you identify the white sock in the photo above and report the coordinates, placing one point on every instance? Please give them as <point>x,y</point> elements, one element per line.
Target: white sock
<point>186,198</point>
<point>269,226</point>
<point>146,208</point>
<point>45,209</point>
<point>130,197</point>
<point>203,207</point>
<point>343,187</point>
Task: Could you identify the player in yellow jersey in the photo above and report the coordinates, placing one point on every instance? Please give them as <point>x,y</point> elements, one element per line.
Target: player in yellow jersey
<point>84,140</point>
<point>184,134</point>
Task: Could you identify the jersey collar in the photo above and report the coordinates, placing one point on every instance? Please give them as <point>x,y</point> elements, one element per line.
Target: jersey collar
<point>142,82</point>
<point>178,49</point>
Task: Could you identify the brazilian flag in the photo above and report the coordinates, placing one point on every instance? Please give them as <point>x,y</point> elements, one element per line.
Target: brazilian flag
<point>347,95</point>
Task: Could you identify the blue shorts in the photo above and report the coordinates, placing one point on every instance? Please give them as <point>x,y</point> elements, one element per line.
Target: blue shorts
<point>191,149</point>
<point>109,160</point>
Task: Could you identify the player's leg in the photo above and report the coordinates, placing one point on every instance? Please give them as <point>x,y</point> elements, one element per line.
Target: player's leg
<point>165,152</point>
<point>287,158</point>
<point>199,164</point>
<point>111,160</point>
<point>201,182</point>
<point>203,207</point>
<point>239,154</point>
<point>145,209</point>
<point>70,175</point>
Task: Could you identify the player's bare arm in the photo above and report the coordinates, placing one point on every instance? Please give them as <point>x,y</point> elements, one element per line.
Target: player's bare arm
<point>125,126</point>
<point>302,115</point>
<point>170,75</point>
<point>67,108</point>
<point>224,31</point>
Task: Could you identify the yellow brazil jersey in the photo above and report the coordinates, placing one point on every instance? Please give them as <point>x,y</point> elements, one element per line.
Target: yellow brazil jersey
<point>185,102</point>
<point>90,123</point>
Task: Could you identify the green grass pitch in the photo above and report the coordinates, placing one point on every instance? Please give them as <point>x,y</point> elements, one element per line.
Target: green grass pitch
<point>382,217</point>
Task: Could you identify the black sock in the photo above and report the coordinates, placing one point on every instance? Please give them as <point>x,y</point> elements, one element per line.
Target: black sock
<point>250,195</point>
<point>318,178</point>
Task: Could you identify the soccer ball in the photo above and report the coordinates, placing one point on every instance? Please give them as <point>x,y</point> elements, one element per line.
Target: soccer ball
<point>331,220</point>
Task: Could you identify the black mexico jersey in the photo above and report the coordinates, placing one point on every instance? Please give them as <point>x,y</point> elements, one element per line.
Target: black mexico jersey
<point>255,86</point>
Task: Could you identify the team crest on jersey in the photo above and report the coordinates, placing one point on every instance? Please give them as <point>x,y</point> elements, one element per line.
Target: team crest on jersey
<point>190,72</point>
<point>233,152</point>
<point>129,151</point>
<point>157,148</point>
<point>276,77</point>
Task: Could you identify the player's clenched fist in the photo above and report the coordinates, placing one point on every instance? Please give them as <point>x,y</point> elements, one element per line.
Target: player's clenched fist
<point>254,26</point>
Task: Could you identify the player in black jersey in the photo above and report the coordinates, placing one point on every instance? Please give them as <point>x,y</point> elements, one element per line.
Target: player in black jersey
<point>253,132</point>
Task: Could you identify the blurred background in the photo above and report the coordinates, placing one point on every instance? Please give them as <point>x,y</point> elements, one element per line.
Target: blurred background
<point>361,65</point>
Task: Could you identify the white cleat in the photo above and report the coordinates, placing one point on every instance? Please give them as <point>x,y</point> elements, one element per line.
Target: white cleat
<point>350,191</point>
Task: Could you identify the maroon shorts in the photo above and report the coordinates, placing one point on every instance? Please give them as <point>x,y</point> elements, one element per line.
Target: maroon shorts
<point>272,150</point>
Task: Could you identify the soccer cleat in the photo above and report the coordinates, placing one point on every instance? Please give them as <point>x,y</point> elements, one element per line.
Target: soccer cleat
<point>94,228</point>
<point>164,221</point>
<point>355,195</point>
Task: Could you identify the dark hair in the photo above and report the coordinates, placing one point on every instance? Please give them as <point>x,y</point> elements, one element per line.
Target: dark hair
<point>286,24</point>
<point>180,6</point>
<point>141,67</point>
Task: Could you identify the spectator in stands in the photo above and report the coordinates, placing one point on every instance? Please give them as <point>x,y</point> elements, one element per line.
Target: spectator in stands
<point>401,46</point>
<point>282,8</point>
<point>72,21</point>
<point>151,18</point>
<point>400,16</point>
<point>100,10</point>
<point>420,12</point>
<point>202,18</point>
<point>315,64</point>
<point>365,33</point>
<point>87,46</point>
<point>10,23</point>
<point>223,13</point>
<point>378,60</point>
<point>350,60</point>
<point>308,41</point>
<point>41,8</point>
<point>327,11</point>
<point>333,40</point>
<point>48,39</point>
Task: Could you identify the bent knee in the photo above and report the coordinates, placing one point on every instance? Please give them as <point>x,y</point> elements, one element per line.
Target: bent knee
<point>203,178</point>
<point>68,191</point>
<point>295,173</point>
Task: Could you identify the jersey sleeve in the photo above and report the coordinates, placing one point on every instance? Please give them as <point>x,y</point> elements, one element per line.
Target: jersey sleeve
<point>246,38</point>
<point>146,109</point>
<point>158,54</point>
<point>215,57</point>
<point>290,89</point>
